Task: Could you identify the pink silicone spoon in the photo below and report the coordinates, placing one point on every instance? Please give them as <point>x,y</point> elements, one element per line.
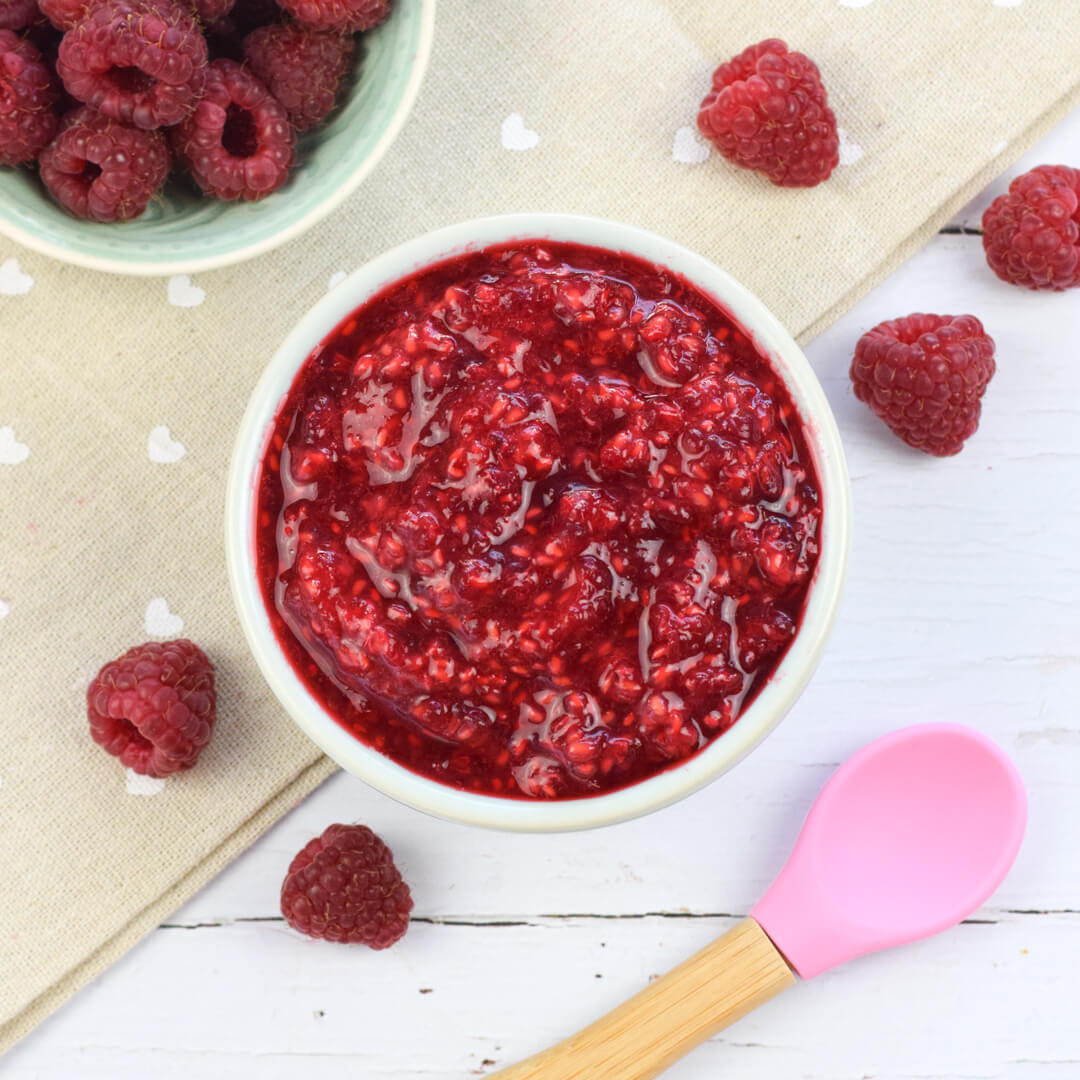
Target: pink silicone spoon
<point>908,837</point>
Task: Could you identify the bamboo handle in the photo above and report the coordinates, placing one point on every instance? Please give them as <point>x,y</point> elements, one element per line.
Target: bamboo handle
<point>643,1036</point>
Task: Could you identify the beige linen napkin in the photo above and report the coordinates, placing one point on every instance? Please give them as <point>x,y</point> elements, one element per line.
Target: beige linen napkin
<point>110,525</point>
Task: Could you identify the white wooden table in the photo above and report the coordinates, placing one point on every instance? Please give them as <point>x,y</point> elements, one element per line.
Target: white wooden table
<point>963,603</point>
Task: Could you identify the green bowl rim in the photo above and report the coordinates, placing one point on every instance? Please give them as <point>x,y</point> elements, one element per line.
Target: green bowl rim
<point>169,267</point>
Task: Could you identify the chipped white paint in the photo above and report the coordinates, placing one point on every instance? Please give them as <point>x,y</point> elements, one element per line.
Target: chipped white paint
<point>182,293</point>
<point>336,278</point>
<point>137,784</point>
<point>516,136</point>
<point>688,148</point>
<point>12,452</point>
<point>14,281</point>
<point>850,151</point>
<point>159,621</point>
<point>162,448</point>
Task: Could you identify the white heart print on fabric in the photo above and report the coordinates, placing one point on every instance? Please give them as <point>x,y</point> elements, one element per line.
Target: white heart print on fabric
<point>160,621</point>
<point>14,281</point>
<point>516,136</point>
<point>12,452</point>
<point>688,149</point>
<point>137,784</point>
<point>182,293</point>
<point>162,448</point>
<point>850,152</point>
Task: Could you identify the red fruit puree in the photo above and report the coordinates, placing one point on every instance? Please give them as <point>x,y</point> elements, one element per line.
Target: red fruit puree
<point>537,522</point>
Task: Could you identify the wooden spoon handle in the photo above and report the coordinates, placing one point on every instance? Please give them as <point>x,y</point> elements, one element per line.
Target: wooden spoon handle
<point>643,1036</point>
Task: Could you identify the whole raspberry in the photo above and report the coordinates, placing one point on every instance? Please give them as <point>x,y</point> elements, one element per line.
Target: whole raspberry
<point>238,143</point>
<point>141,62</point>
<point>99,169</point>
<point>343,886</point>
<point>155,707</point>
<point>924,375</point>
<point>768,111</point>
<point>63,14</point>
<point>1031,234</point>
<point>347,15</point>
<point>27,101</point>
<point>17,14</point>
<point>302,68</point>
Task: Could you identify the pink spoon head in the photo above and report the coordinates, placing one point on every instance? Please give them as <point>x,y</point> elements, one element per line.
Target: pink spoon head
<point>908,837</point>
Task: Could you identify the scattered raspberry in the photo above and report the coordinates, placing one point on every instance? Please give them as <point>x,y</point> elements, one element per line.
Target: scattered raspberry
<point>63,14</point>
<point>17,14</point>
<point>302,68</point>
<point>768,111</point>
<point>99,169</point>
<point>348,15</point>
<point>27,101</point>
<point>343,886</point>
<point>238,143</point>
<point>924,376</point>
<point>1031,235</point>
<point>141,62</point>
<point>155,707</point>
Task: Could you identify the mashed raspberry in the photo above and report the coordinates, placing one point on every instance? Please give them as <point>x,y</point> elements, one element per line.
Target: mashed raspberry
<point>537,522</point>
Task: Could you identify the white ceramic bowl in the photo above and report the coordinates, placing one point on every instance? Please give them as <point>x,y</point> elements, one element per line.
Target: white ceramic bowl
<point>772,701</point>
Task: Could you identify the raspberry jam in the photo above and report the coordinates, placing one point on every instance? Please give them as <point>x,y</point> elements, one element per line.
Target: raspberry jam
<point>537,522</point>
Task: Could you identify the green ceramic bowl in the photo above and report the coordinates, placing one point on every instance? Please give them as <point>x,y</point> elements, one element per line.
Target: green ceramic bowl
<point>182,233</point>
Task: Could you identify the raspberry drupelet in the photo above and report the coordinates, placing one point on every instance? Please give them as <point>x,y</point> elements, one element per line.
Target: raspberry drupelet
<point>209,11</point>
<point>238,143</point>
<point>924,376</point>
<point>28,99</point>
<point>1031,234</point>
<point>343,886</point>
<point>142,62</point>
<point>768,111</point>
<point>351,16</point>
<point>99,169</point>
<point>17,14</point>
<point>302,68</point>
<point>63,14</point>
<point>154,707</point>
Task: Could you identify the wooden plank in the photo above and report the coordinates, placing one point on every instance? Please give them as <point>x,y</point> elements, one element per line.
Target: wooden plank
<point>255,1000</point>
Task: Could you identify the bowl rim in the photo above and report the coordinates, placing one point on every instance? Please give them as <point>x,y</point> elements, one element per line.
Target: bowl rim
<point>770,704</point>
<point>170,267</point>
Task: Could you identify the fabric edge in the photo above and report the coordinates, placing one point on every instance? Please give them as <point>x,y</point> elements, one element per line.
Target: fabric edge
<point>933,224</point>
<point>154,914</point>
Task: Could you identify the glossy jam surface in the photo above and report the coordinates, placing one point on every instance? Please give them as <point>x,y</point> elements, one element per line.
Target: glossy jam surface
<point>537,522</point>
